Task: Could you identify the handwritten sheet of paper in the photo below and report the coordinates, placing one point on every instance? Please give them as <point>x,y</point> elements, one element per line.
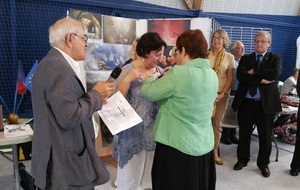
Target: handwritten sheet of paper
<point>118,115</point>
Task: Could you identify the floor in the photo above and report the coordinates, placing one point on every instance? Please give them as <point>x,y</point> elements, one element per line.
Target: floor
<point>248,178</point>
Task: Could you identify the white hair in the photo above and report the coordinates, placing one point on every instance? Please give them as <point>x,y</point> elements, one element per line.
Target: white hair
<point>59,30</point>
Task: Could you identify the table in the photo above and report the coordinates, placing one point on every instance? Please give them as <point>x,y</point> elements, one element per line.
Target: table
<point>289,110</point>
<point>285,111</point>
<point>15,159</point>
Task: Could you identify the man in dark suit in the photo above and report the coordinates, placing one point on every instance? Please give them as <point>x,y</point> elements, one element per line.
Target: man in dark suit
<point>63,149</point>
<point>257,101</point>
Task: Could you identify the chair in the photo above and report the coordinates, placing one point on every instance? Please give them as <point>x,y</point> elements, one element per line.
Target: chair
<point>230,117</point>
<point>230,121</point>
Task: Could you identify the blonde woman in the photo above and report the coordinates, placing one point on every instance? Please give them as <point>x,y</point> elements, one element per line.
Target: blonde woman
<point>222,63</point>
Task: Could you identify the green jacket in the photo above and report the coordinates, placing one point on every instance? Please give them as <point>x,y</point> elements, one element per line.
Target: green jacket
<point>186,96</point>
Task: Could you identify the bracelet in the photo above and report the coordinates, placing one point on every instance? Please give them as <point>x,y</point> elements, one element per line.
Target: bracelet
<point>153,75</point>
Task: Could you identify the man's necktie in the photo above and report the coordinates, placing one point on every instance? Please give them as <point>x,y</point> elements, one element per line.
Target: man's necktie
<point>253,89</point>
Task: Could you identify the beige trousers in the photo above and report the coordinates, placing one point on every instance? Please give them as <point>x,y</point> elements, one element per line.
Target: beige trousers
<point>221,107</point>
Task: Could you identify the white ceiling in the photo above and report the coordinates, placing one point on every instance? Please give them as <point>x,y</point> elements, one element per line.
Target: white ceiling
<point>269,7</point>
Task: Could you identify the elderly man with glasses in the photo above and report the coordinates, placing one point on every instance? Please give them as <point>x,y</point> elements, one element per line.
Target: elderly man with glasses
<point>63,149</point>
<point>257,101</point>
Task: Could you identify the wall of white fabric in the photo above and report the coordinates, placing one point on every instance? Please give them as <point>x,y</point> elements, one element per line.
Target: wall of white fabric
<point>269,7</point>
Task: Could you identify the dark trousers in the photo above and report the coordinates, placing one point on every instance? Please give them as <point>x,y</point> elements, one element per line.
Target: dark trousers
<point>296,157</point>
<point>228,132</point>
<point>251,114</point>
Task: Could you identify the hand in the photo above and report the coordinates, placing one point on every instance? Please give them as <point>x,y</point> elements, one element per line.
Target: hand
<point>104,101</point>
<point>264,81</point>
<point>250,71</point>
<point>134,74</point>
<point>105,89</point>
<point>166,69</point>
<point>220,97</point>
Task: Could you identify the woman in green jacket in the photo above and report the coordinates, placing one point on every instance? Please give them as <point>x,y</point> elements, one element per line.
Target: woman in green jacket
<point>183,130</point>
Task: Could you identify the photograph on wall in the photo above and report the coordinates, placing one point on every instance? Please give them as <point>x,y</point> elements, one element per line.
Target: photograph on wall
<point>169,30</point>
<point>118,30</point>
<point>104,56</point>
<point>101,59</point>
<point>91,22</point>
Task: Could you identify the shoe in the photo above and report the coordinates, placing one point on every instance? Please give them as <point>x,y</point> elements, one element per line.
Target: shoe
<point>219,161</point>
<point>234,139</point>
<point>265,171</point>
<point>294,172</point>
<point>225,140</point>
<point>239,166</point>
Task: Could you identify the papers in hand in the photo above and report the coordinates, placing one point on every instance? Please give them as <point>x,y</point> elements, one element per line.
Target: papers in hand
<point>11,131</point>
<point>118,115</point>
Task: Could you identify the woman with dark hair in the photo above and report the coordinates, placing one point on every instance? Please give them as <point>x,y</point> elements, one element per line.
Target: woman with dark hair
<point>134,147</point>
<point>183,130</point>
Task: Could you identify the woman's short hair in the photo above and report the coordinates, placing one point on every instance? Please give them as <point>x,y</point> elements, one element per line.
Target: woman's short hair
<point>222,34</point>
<point>194,43</point>
<point>150,41</point>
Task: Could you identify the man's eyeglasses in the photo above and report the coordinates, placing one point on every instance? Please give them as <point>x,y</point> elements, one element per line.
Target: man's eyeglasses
<point>239,48</point>
<point>261,41</point>
<point>85,38</point>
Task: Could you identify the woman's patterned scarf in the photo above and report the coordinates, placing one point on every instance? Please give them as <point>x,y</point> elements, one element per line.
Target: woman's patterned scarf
<point>217,68</point>
<point>220,58</point>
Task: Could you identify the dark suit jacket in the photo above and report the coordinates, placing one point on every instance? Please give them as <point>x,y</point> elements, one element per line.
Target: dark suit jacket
<point>270,69</point>
<point>64,137</point>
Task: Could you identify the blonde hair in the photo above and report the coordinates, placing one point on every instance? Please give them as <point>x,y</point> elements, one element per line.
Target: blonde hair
<point>132,51</point>
<point>224,35</point>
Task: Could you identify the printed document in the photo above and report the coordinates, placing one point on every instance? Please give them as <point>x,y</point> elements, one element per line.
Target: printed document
<point>118,115</point>
<point>11,131</point>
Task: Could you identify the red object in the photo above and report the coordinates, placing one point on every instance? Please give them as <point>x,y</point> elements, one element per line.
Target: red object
<point>21,88</point>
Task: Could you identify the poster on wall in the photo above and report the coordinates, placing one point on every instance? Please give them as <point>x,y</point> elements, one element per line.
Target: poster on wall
<point>91,22</point>
<point>169,30</point>
<point>101,59</point>
<point>104,56</point>
<point>118,30</point>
